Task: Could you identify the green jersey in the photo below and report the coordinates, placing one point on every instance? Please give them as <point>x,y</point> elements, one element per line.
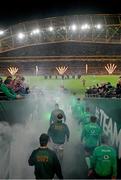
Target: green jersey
<point>85,118</point>
<point>72,101</point>
<point>78,110</point>
<point>91,134</point>
<point>104,161</point>
<point>8,92</point>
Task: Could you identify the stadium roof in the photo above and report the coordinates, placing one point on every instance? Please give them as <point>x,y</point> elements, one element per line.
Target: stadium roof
<point>98,28</point>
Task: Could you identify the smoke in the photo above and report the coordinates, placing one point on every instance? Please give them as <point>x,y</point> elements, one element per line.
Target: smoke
<point>18,140</point>
<point>5,137</point>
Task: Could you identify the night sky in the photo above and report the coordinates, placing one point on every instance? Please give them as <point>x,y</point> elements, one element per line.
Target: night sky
<point>12,12</point>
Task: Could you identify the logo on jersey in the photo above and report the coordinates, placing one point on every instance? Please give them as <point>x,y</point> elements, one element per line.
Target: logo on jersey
<point>93,132</point>
<point>42,158</point>
<point>106,157</point>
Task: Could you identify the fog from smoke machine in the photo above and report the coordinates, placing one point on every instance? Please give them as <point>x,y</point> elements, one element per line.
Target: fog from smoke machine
<point>17,141</point>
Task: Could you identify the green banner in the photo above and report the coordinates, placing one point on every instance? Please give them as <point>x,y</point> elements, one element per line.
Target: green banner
<point>108,112</point>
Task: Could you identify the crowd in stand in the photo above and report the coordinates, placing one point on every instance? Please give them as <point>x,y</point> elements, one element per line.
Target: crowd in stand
<point>13,88</point>
<point>106,90</point>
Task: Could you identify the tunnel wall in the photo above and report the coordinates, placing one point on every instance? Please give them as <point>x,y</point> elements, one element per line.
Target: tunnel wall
<point>16,111</point>
<point>108,113</point>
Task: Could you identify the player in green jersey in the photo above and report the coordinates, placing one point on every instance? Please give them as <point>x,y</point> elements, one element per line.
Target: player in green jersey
<point>104,161</point>
<point>90,137</point>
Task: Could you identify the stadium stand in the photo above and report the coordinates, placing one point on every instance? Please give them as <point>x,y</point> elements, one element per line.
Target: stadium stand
<point>95,43</point>
<point>66,49</point>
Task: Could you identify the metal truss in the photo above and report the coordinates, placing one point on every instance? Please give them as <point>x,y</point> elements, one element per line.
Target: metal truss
<point>110,31</point>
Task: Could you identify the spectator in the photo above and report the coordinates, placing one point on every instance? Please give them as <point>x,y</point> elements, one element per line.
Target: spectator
<point>20,86</point>
<point>104,90</point>
<point>8,81</point>
<point>10,94</point>
<point>118,88</point>
<point>45,161</point>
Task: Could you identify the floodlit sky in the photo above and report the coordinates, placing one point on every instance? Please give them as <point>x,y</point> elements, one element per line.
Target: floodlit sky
<point>16,11</point>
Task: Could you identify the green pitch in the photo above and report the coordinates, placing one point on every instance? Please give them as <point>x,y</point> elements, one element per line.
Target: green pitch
<point>73,85</point>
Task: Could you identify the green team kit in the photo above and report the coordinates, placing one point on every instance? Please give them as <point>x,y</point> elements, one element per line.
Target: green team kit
<point>8,92</point>
<point>77,110</point>
<point>103,161</point>
<point>85,118</point>
<point>91,135</point>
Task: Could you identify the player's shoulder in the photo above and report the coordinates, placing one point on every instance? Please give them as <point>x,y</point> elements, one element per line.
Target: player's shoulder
<point>36,150</point>
<point>51,152</point>
<point>64,124</point>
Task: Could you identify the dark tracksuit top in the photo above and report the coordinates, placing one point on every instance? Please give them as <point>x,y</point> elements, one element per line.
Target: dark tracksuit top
<point>46,164</point>
<point>58,132</point>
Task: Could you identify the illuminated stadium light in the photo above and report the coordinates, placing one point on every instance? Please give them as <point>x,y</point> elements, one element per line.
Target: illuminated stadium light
<point>62,69</point>
<point>35,31</point>
<point>1,32</point>
<point>85,26</point>
<point>74,27</point>
<point>86,68</point>
<point>110,68</point>
<point>98,26</point>
<point>13,70</point>
<point>36,70</point>
<point>21,35</point>
<point>82,28</point>
<point>50,28</point>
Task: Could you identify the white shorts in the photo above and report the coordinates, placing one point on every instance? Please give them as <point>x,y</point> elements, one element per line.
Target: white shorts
<point>58,146</point>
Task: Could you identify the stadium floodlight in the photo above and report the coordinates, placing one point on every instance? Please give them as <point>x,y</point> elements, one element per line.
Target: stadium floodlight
<point>1,32</point>
<point>98,26</point>
<point>50,28</point>
<point>73,27</point>
<point>21,35</point>
<point>35,31</point>
<point>85,27</point>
